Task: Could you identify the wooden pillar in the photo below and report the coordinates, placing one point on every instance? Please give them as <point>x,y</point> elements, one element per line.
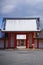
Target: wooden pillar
<point>15,41</point>
<point>37,43</point>
<point>4,43</point>
<point>33,40</point>
<point>18,41</point>
<point>27,40</point>
<point>9,40</point>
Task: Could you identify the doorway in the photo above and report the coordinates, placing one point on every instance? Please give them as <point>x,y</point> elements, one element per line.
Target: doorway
<point>21,43</point>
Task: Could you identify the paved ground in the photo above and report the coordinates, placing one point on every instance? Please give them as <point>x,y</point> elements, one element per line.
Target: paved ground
<point>21,57</point>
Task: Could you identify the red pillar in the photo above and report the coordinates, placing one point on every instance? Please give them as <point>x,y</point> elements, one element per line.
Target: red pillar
<point>9,40</point>
<point>18,42</point>
<point>15,41</point>
<point>33,40</point>
<point>38,43</point>
<point>27,40</point>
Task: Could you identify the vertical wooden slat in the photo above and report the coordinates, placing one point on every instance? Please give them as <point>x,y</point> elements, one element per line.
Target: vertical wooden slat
<point>27,40</point>
<point>33,40</point>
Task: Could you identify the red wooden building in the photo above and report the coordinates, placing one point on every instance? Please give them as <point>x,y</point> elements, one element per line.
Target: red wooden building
<point>20,32</point>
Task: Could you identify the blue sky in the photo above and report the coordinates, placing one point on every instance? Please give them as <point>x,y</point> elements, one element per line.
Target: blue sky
<point>21,8</point>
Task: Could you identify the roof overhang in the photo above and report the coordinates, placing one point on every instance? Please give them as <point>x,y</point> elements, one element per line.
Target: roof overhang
<point>21,31</point>
<point>31,27</point>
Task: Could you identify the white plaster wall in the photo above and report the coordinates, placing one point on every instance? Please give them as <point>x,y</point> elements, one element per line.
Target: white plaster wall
<point>41,44</point>
<point>35,43</point>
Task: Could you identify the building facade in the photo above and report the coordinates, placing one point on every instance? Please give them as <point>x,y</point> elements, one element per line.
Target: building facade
<point>20,32</point>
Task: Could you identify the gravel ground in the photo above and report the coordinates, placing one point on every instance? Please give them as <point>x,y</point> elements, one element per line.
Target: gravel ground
<point>21,57</point>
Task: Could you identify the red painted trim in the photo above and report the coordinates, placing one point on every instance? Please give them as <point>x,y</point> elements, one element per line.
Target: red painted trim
<point>27,40</point>
<point>33,40</point>
<point>15,41</point>
<point>9,40</point>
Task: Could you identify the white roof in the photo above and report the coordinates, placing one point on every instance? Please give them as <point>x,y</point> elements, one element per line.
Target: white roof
<point>21,25</point>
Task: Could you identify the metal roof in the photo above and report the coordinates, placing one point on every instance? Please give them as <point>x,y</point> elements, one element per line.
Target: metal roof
<point>21,24</point>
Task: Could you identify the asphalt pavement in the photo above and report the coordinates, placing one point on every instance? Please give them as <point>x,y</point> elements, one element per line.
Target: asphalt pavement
<point>21,57</point>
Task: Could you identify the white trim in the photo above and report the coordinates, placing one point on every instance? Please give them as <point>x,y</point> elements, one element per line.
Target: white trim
<point>21,37</point>
<point>21,47</point>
